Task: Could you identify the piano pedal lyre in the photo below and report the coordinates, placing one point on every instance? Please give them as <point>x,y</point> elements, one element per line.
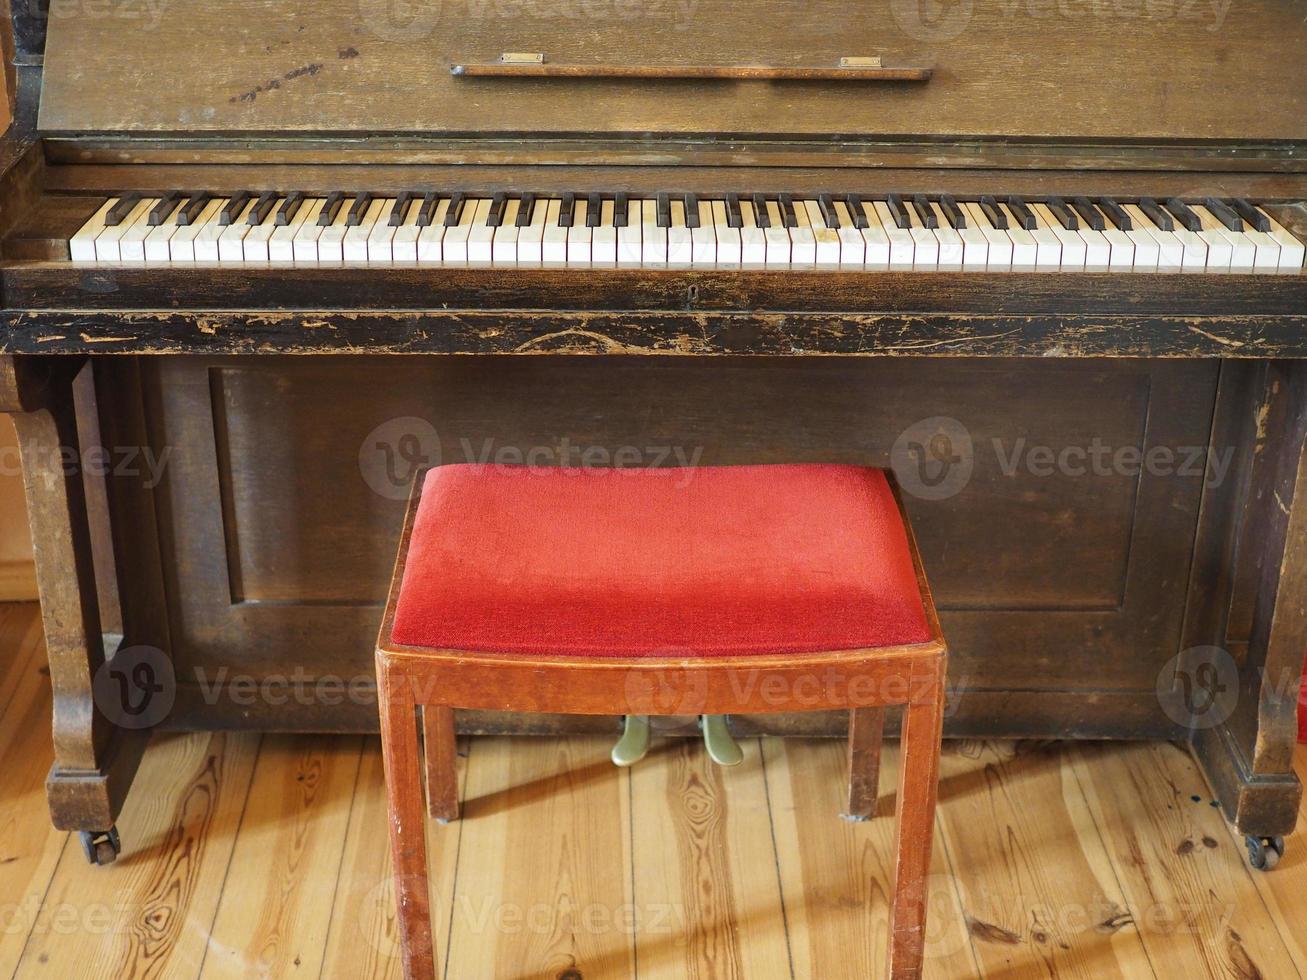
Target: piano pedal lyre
<point>634,743</point>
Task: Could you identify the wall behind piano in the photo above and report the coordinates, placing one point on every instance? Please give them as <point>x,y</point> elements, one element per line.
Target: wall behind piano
<point>17,578</point>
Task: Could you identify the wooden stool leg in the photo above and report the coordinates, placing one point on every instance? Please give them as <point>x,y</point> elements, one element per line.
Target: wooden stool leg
<point>442,761</point>
<point>865,727</point>
<point>923,722</point>
<point>408,843</point>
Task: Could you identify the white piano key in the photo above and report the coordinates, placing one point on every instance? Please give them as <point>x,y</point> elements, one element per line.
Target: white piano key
<point>1048,256</point>
<point>803,240</point>
<point>355,244</point>
<point>378,247</point>
<point>628,236</point>
<point>1025,248</point>
<point>81,246</point>
<point>603,238</point>
<point>680,242</point>
<point>331,243</point>
<point>653,237</point>
<point>305,240</point>
<point>1291,250</point>
<point>580,237</point>
<point>902,244</point>
<point>998,247</point>
<point>107,242</point>
<point>853,247</point>
<point>530,240</point>
<point>254,246</point>
<point>975,243</point>
<point>157,250</point>
<point>1226,251</point>
<point>211,229</point>
<point>404,243</point>
<point>1121,246</point>
<point>1072,246</point>
<point>1148,250</point>
<point>876,240</point>
<point>480,236</point>
<point>181,246</point>
<point>455,242</point>
<point>431,237</point>
<point>131,246</point>
<point>925,246</point>
<point>1266,250</point>
<point>1170,250</point>
<point>729,245</point>
<point>827,251</point>
<point>703,239</point>
<point>554,243</point>
<point>231,242</point>
<point>778,238</point>
<point>1194,257</point>
<point>753,239</point>
<point>951,252</point>
<point>503,248</point>
<point>281,243</point>
<point>1098,251</point>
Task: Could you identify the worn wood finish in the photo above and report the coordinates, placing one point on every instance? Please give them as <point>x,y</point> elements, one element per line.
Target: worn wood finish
<point>441,758</point>
<point>866,725</point>
<point>298,66</point>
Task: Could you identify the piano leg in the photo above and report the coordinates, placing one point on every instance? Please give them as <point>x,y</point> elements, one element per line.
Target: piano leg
<point>1258,535</point>
<point>94,758</point>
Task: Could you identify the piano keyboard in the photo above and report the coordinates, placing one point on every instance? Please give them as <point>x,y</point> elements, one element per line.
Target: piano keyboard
<point>829,231</point>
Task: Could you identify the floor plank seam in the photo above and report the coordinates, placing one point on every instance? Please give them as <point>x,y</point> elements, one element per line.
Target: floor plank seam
<point>340,866</point>
<point>776,857</point>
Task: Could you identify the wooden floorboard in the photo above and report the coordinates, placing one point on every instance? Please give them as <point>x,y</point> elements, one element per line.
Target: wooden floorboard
<point>247,855</point>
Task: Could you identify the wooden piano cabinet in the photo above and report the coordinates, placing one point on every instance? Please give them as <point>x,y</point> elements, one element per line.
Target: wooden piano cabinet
<point>254,559</point>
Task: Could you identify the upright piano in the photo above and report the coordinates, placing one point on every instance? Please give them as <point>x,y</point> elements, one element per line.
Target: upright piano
<point>1045,259</point>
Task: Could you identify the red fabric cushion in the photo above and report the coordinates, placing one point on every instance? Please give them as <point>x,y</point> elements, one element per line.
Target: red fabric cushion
<point>700,561</point>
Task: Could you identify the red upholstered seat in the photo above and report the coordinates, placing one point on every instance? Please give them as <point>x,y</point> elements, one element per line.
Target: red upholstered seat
<point>702,561</point>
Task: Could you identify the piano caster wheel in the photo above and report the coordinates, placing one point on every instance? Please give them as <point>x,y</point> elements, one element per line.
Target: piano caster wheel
<point>1264,853</point>
<point>634,743</point>
<point>722,748</point>
<point>101,847</point>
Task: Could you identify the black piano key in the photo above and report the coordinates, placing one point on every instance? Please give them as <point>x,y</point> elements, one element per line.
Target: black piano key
<point>335,201</point>
<point>1183,215</point>
<point>621,210</point>
<point>761,218</point>
<point>1064,215</point>
<point>594,204</point>
<point>427,212</point>
<point>495,217</point>
<point>788,218</point>
<point>566,209</point>
<point>1089,214</point>
<point>692,210</point>
<point>455,213</point>
<point>826,204</point>
<point>1250,214</point>
<point>159,213</point>
<point>358,210</point>
<point>525,210</point>
<point>952,212</point>
<point>1025,217</point>
<point>195,205</point>
<point>997,217</point>
<point>898,210</point>
<point>400,208</point>
<point>925,212</point>
<point>1223,213</point>
<point>1155,214</point>
<point>289,208</point>
<point>262,207</point>
<point>118,213</point>
<point>234,206</point>
<point>1117,213</point>
<point>734,218</point>
<point>664,210</point>
<point>854,203</point>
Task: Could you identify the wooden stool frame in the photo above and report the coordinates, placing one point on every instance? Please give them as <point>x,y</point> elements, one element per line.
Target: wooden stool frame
<point>862,681</point>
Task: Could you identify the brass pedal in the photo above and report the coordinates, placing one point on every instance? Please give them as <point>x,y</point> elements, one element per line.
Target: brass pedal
<point>721,745</point>
<point>634,743</point>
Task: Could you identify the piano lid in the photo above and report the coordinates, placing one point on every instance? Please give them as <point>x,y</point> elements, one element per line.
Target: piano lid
<point>1060,69</point>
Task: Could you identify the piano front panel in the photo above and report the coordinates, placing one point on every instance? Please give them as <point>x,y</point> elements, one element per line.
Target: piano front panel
<point>280,561</point>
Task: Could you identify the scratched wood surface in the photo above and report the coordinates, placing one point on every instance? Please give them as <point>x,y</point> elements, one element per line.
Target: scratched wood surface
<point>265,855</point>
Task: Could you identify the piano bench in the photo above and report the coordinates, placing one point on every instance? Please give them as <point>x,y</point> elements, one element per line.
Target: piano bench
<point>701,590</point>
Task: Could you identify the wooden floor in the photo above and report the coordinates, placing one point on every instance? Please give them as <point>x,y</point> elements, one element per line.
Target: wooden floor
<point>248,855</point>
